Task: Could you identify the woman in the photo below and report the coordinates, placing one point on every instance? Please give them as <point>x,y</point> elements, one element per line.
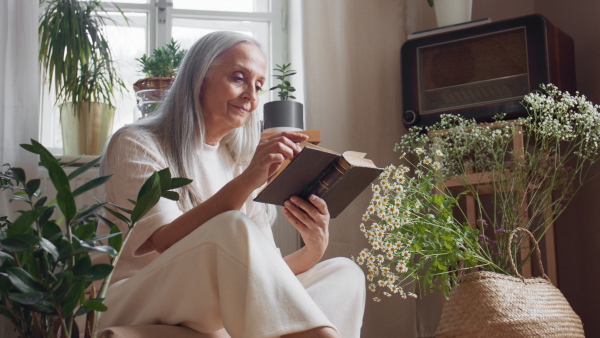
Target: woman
<point>209,260</point>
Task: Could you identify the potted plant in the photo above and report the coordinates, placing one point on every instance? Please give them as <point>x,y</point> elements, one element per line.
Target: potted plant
<point>45,263</point>
<point>420,235</point>
<point>284,114</point>
<point>77,62</point>
<point>451,12</point>
<point>160,69</point>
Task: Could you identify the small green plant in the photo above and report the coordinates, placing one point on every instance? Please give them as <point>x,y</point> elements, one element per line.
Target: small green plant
<point>45,263</point>
<point>285,86</point>
<point>164,61</point>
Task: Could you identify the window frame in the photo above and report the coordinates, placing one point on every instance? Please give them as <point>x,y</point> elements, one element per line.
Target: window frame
<point>160,14</point>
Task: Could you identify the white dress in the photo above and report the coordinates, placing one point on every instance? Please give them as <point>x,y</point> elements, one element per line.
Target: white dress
<point>228,273</point>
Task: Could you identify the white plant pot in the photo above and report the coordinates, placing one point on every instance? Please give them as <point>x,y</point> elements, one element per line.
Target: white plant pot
<point>451,12</point>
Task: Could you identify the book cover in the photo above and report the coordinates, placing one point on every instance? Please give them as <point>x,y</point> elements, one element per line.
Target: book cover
<point>336,178</point>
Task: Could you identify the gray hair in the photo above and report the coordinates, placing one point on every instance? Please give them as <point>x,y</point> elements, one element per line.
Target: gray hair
<point>178,124</point>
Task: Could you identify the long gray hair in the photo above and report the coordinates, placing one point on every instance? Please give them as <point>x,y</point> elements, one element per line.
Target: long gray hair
<point>178,125</point>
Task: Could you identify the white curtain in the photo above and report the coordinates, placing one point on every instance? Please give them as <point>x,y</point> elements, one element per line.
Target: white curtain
<point>353,94</point>
<point>19,94</point>
<point>19,86</point>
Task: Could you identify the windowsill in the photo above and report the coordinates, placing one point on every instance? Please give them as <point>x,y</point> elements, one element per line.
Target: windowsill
<point>79,160</point>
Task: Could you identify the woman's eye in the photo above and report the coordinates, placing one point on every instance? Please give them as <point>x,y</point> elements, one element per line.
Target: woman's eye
<point>258,88</point>
<point>238,79</point>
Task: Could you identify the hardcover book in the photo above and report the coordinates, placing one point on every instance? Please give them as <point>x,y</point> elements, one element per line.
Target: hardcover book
<point>336,178</point>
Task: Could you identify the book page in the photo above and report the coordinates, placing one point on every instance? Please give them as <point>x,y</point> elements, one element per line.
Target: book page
<point>358,161</point>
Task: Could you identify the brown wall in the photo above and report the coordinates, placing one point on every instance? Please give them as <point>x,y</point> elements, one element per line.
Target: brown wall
<point>578,230</point>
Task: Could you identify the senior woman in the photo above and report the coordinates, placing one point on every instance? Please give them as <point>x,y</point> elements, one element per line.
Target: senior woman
<point>209,262</point>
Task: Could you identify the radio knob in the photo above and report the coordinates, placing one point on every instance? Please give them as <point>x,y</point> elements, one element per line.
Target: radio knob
<point>410,117</point>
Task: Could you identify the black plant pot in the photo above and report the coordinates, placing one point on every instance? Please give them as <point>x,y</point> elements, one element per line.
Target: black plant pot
<point>283,115</point>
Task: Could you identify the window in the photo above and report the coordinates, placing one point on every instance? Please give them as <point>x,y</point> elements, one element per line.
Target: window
<point>154,22</point>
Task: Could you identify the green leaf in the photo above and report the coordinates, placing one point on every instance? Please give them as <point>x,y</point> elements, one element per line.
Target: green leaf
<point>49,247</point>
<point>23,281</point>
<point>18,174</point>
<point>118,215</point>
<point>95,305</point>
<point>85,231</point>
<point>41,202</point>
<point>23,223</point>
<point>147,198</point>
<point>17,243</point>
<point>66,202</point>
<point>117,241</point>
<point>84,168</point>
<point>171,195</point>
<point>88,211</point>
<point>29,148</point>
<point>4,255</point>
<point>82,265</point>
<point>178,182</point>
<point>55,171</point>
<point>32,186</point>
<point>129,211</point>
<point>100,271</point>
<point>28,298</point>
<point>165,178</point>
<point>50,229</point>
<point>91,185</point>
<point>75,294</point>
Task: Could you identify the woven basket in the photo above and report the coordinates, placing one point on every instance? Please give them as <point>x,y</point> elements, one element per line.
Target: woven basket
<point>153,83</point>
<point>488,304</point>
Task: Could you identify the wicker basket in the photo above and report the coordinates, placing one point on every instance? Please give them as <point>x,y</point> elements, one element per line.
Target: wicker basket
<point>488,304</point>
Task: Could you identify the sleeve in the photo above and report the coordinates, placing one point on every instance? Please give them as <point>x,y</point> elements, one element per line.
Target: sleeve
<point>131,159</point>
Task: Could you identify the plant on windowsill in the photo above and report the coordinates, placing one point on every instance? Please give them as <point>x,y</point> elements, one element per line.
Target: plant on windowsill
<point>160,69</point>
<point>77,62</point>
<point>419,236</point>
<point>45,263</point>
<point>284,114</point>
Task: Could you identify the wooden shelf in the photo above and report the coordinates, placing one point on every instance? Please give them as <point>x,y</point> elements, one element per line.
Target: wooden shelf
<point>314,135</point>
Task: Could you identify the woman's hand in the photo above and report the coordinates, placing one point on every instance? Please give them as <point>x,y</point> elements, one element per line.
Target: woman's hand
<point>270,154</point>
<point>311,219</point>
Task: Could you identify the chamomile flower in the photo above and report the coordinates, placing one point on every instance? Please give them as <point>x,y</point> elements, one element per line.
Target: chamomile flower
<point>387,294</point>
<point>377,299</point>
<point>372,287</point>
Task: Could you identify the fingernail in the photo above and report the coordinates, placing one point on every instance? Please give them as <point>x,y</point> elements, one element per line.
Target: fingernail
<point>313,197</point>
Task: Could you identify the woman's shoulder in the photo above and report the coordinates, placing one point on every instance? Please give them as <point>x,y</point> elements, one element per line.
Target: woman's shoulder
<point>133,144</point>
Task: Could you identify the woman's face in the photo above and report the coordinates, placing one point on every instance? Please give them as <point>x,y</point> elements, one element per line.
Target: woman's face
<point>230,89</point>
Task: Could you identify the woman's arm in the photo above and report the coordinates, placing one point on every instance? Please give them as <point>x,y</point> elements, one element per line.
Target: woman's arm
<point>269,155</point>
<point>311,219</point>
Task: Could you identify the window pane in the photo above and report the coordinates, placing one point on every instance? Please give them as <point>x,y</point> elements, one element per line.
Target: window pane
<point>223,5</point>
<point>127,43</point>
<point>188,31</point>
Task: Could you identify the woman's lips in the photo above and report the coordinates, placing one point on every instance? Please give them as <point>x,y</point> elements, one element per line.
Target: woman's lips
<point>242,109</point>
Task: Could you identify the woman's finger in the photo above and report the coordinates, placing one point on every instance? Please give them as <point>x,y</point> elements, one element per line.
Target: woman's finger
<point>320,204</point>
<point>298,212</point>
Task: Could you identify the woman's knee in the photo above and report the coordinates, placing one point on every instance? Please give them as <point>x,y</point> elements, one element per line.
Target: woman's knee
<point>348,268</point>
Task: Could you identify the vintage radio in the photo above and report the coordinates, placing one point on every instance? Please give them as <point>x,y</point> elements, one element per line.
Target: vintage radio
<point>483,70</point>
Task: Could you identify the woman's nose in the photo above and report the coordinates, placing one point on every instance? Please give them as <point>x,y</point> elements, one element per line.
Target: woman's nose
<point>250,94</point>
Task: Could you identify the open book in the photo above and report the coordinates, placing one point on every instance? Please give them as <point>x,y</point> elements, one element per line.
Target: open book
<point>336,178</point>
